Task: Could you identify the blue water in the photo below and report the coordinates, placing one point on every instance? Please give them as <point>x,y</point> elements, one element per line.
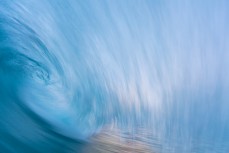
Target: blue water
<point>69,68</point>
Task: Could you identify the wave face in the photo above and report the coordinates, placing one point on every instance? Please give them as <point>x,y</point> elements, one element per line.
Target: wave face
<point>69,68</point>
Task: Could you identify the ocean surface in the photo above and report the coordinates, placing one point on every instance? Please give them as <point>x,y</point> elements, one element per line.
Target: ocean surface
<point>70,68</point>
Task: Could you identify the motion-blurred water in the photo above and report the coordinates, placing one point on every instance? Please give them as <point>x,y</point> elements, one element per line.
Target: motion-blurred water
<point>70,67</point>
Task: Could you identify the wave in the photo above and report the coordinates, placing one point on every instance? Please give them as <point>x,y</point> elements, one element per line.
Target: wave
<point>70,68</point>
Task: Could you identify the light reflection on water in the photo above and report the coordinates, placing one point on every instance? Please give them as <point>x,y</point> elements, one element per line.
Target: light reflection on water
<point>141,140</point>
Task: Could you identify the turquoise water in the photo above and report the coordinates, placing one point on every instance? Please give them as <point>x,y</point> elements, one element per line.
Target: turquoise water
<point>69,68</point>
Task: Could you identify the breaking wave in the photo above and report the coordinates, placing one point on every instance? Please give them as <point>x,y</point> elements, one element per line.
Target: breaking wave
<point>70,68</point>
